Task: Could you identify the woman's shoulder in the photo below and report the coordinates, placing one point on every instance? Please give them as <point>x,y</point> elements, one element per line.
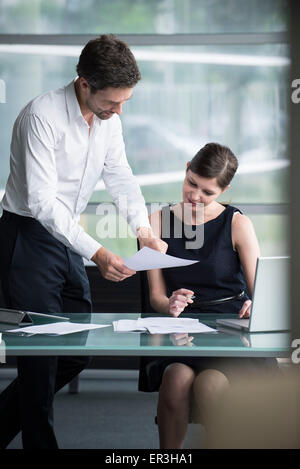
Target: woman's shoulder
<point>242,228</point>
<point>239,220</point>
<point>241,224</point>
<point>155,214</point>
<point>155,222</point>
<point>162,217</point>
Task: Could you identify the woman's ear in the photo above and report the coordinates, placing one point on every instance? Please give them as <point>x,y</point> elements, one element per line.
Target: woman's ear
<point>187,165</point>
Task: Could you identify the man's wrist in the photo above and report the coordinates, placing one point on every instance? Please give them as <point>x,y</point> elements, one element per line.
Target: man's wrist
<point>145,232</point>
<point>97,255</point>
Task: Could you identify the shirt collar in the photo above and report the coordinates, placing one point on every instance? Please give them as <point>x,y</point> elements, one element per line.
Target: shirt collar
<point>73,107</point>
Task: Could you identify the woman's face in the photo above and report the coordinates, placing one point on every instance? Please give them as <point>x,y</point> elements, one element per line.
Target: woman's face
<point>200,190</point>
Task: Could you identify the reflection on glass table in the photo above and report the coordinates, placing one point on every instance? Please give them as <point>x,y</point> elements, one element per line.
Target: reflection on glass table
<point>106,342</point>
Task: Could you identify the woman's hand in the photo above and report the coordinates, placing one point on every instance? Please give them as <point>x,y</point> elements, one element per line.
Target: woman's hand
<point>245,309</point>
<point>179,300</point>
<point>181,339</point>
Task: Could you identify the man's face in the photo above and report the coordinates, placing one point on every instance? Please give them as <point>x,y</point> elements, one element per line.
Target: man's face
<point>105,103</point>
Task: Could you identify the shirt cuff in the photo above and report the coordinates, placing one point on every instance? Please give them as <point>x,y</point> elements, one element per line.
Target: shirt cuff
<point>85,245</point>
<point>138,224</point>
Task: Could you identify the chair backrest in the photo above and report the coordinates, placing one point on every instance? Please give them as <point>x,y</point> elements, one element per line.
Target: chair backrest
<point>114,297</point>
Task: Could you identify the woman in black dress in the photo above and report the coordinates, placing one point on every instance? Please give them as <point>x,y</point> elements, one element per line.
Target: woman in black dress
<point>226,269</point>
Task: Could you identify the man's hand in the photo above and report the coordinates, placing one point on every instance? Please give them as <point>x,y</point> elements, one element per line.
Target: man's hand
<point>111,265</point>
<point>147,238</point>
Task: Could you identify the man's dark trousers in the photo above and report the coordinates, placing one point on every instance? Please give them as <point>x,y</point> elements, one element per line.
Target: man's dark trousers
<point>40,274</point>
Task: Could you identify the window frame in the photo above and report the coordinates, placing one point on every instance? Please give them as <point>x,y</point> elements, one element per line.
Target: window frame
<point>167,40</point>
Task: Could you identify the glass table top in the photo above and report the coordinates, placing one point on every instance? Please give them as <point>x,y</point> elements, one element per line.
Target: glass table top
<point>106,342</point>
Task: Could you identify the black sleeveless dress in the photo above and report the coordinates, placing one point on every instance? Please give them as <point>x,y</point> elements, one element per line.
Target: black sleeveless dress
<point>219,274</point>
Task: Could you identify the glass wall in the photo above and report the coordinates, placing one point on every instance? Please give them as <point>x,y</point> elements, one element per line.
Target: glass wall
<point>188,96</point>
<point>142,16</point>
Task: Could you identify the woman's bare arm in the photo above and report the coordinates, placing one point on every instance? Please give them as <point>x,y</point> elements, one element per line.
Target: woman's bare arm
<point>157,286</point>
<point>245,242</point>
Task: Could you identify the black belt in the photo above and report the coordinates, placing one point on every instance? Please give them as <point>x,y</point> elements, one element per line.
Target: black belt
<point>196,303</point>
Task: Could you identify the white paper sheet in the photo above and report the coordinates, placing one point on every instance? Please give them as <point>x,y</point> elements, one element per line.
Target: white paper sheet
<point>161,325</point>
<point>142,324</point>
<point>176,328</point>
<point>163,320</point>
<point>128,325</point>
<point>57,328</point>
<point>147,259</point>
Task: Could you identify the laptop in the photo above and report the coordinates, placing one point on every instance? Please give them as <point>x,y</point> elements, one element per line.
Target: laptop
<point>270,302</point>
<point>275,339</point>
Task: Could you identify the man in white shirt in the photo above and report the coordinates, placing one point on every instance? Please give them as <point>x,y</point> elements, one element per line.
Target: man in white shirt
<point>63,141</point>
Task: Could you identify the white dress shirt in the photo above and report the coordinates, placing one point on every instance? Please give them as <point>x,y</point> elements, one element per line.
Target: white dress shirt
<point>55,163</point>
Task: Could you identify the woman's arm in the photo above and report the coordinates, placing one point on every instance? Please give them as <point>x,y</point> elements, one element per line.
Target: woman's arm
<point>157,286</point>
<point>245,242</point>
<point>157,289</point>
<point>159,299</point>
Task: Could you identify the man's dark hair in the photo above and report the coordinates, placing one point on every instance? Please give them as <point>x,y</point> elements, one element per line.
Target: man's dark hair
<point>108,62</point>
<point>215,161</point>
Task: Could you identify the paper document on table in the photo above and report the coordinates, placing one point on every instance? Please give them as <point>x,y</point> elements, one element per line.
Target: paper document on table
<point>147,259</point>
<point>57,328</point>
<point>161,325</point>
<point>128,325</point>
<point>142,324</point>
<point>165,321</point>
<point>175,328</point>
